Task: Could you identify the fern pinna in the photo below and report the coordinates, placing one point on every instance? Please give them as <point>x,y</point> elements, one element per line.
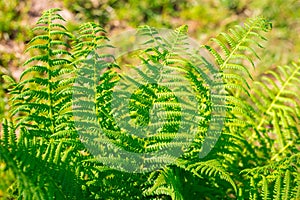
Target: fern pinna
<point>172,124</point>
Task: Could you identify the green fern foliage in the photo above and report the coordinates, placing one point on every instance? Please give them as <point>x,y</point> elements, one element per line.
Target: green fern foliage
<point>164,122</point>
<point>279,124</point>
<point>228,149</point>
<point>278,130</point>
<point>234,53</point>
<point>237,52</point>
<point>161,69</point>
<point>277,180</point>
<point>44,94</point>
<point>43,142</point>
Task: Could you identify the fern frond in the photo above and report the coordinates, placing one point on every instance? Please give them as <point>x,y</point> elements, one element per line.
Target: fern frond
<point>286,186</point>
<point>42,157</point>
<point>236,49</point>
<point>92,37</point>
<point>211,168</point>
<point>265,189</point>
<point>277,108</point>
<point>49,81</point>
<point>277,189</point>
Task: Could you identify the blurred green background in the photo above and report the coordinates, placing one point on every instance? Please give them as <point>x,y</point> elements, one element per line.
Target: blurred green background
<point>205,18</point>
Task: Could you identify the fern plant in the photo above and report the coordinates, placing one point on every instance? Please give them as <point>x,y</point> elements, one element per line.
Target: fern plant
<point>170,125</point>
<point>235,51</point>
<point>40,143</point>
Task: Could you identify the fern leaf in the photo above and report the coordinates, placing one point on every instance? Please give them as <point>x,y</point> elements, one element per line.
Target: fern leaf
<point>286,186</point>
<point>277,189</point>
<point>234,45</point>
<point>211,168</point>
<point>274,106</point>
<point>265,189</point>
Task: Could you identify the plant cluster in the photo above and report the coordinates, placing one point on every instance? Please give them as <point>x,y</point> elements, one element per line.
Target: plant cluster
<point>51,146</point>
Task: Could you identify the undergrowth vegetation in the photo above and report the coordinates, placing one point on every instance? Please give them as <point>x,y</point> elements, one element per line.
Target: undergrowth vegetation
<point>237,137</point>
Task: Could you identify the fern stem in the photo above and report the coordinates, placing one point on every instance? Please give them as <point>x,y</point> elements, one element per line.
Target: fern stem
<point>49,75</point>
<point>282,150</point>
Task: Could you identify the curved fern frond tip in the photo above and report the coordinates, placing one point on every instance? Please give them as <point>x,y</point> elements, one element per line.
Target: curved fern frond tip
<point>234,51</point>
<point>50,15</point>
<point>183,29</point>
<point>92,38</point>
<point>52,10</point>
